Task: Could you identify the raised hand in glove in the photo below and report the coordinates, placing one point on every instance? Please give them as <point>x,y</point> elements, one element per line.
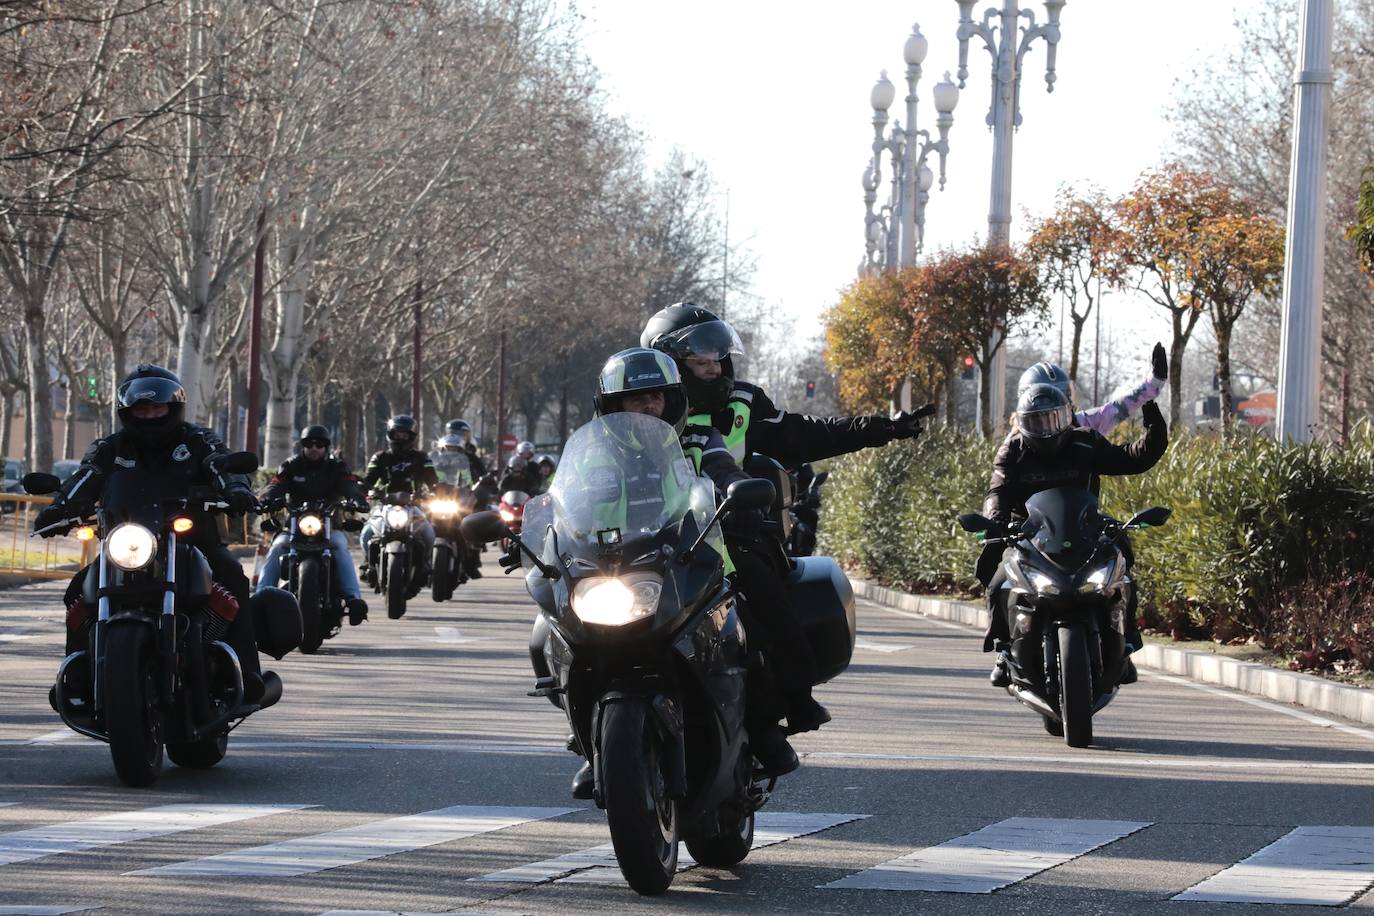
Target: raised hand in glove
<point>1151,416</point>
<point>1159,363</point>
<point>906,424</point>
<point>241,500</point>
<point>49,516</point>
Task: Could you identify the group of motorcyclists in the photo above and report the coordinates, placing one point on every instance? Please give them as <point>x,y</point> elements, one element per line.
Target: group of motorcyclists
<point>683,372</point>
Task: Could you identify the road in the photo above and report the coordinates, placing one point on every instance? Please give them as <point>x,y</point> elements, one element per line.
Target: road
<point>406,770</point>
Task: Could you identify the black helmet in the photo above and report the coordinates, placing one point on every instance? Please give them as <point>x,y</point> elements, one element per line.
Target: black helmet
<point>402,431</point>
<point>315,432</point>
<point>1044,417</point>
<point>686,329</point>
<point>150,384</point>
<point>639,370</point>
<point>1046,373</point>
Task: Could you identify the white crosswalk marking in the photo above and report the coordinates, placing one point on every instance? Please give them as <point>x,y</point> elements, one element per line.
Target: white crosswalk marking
<point>112,829</point>
<point>41,910</point>
<point>1316,866</point>
<point>450,636</point>
<point>597,864</point>
<point>869,645</point>
<point>351,845</point>
<point>16,637</point>
<point>993,857</point>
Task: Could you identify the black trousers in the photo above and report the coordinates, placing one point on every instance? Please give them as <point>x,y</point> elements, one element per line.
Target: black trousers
<point>771,628</point>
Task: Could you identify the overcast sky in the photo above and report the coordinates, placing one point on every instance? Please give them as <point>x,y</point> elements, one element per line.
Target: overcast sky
<point>773,96</point>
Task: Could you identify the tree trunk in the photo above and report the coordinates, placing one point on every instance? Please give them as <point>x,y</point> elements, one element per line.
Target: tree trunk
<point>69,424</point>
<point>7,430</point>
<point>348,430</point>
<point>1228,410</point>
<point>119,356</point>
<point>40,393</point>
<point>563,415</point>
<point>1177,343</point>
<point>951,396</point>
<point>1078,324</point>
<point>985,397</point>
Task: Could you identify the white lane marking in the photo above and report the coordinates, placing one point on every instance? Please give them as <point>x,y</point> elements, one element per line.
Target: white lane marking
<point>1098,761</point>
<point>351,845</point>
<point>62,734</point>
<point>1314,866</point>
<point>112,829</point>
<point>457,747</point>
<point>598,866</point>
<point>15,637</point>
<point>934,621</point>
<point>995,856</point>
<point>1295,713</point>
<point>39,910</point>
<point>417,913</point>
<point>449,636</point>
<point>5,804</point>
<point>887,648</point>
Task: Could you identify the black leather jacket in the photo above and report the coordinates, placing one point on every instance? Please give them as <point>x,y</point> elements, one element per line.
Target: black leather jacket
<point>400,472</point>
<point>299,480</point>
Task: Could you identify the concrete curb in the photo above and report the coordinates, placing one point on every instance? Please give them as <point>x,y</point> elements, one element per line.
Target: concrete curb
<point>1254,678</point>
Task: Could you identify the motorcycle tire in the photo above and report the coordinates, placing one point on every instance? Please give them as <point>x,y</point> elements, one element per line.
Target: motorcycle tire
<point>642,818</point>
<point>397,583</point>
<point>441,576</point>
<point>308,594</point>
<point>1075,686</point>
<point>131,719</point>
<point>199,755</point>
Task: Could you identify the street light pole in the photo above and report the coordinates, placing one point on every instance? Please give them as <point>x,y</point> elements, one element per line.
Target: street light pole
<point>1300,341</point>
<point>1004,116</point>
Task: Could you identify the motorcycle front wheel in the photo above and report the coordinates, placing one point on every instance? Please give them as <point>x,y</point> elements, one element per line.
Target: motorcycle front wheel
<point>131,719</point>
<point>642,818</point>
<point>397,578</point>
<point>308,594</point>
<point>1075,686</point>
<point>442,574</point>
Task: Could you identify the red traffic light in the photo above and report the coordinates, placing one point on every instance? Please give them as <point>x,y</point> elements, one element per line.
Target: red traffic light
<point>968,362</point>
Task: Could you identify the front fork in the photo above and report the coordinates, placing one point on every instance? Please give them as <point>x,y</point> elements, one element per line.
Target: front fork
<point>166,630</point>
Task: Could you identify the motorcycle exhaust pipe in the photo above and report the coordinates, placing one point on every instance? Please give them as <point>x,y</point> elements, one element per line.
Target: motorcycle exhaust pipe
<point>1033,701</point>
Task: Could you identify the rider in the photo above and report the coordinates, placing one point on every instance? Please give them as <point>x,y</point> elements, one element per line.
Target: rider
<point>641,380</point>
<point>526,450</point>
<point>401,468</point>
<point>451,463</point>
<point>547,465</point>
<point>521,475</point>
<point>463,430</point>
<point>1124,403</point>
<point>1047,450</point>
<point>704,347</point>
<point>154,436</point>
<point>313,475</point>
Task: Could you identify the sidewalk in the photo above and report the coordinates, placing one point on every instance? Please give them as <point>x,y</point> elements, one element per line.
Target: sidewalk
<point>1306,690</point>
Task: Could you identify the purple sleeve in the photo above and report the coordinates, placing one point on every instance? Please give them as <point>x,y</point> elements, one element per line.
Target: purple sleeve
<point>1125,402</point>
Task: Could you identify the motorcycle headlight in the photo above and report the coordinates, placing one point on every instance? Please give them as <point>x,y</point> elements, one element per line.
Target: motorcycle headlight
<point>1043,583</point>
<point>615,602</point>
<point>130,546</point>
<point>397,517</point>
<point>309,525</point>
<point>508,516</point>
<point>1100,579</point>
<point>443,507</point>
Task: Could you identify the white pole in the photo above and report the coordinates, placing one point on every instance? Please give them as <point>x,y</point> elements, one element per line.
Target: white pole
<point>1003,118</point>
<point>1299,402</point>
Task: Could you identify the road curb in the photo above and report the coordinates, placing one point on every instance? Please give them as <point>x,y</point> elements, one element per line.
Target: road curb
<point>1254,678</point>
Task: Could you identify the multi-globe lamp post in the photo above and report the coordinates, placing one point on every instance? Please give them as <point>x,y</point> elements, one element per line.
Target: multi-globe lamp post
<point>893,233</point>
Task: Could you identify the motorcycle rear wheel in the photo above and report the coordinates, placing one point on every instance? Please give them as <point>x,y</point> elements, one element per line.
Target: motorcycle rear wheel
<point>642,818</point>
<point>1075,686</point>
<point>131,719</point>
<point>397,579</point>
<point>308,594</point>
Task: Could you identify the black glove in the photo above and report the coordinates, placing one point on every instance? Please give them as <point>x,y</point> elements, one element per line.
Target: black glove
<point>1151,417</point>
<point>907,424</point>
<point>51,515</point>
<point>241,500</point>
<point>1159,362</point>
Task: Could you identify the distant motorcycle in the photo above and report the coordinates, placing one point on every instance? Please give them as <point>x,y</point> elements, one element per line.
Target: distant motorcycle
<point>393,567</point>
<point>806,512</point>
<point>512,508</point>
<point>1065,596</point>
<point>451,560</point>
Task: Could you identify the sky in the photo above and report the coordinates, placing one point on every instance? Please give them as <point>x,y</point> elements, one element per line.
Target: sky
<point>773,97</point>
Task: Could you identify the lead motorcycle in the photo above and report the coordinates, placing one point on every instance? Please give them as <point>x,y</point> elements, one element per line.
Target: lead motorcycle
<point>156,673</point>
<point>638,640</point>
<point>1065,594</point>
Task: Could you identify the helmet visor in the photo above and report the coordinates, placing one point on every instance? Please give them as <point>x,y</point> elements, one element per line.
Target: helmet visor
<point>151,391</point>
<point>710,340</point>
<point>1045,424</point>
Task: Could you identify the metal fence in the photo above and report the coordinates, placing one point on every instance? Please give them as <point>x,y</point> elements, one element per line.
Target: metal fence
<point>39,558</point>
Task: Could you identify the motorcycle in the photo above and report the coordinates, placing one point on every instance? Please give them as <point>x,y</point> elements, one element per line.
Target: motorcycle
<point>1065,595</point>
<point>806,512</point>
<point>452,555</point>
<point>308,569</point>
<point>393,566</point>
<point>638,640</point>
<point>156,673</point>
<point>512,508</point>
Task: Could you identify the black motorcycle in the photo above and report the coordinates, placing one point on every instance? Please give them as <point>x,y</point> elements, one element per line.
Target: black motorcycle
<point>452,559</point>
<point>156,672</point>
<point>806,511</point>
<point>308,569</point>
<point>394,568</point>
<point>1065,595</point>
<point>638,640</point>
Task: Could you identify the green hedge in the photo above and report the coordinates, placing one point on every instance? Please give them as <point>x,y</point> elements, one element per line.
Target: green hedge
<point>1266,541</point>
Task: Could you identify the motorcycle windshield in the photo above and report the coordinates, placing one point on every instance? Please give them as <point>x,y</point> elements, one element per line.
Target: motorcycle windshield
<point>137,495</point>
<point>1064,525</point>
<point>624,477</point>
<point>534,527</point>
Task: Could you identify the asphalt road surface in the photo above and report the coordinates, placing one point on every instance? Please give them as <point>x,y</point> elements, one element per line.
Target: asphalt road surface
<point>406,770</point>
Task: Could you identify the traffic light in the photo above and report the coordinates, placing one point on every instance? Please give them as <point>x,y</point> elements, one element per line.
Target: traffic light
<point>90,383</point>
<point>810,389</point>
<point>967,374</point>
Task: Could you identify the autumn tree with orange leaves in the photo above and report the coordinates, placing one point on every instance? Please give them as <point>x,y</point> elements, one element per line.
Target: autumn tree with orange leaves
<point>867,341</point>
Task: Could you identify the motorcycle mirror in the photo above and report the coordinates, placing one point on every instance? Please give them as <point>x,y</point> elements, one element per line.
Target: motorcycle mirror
<point>483,527</point>
<point>39,484</point>
<point>237,463</point>
<point>1150,518</point>
<point>821,478</point>
<point>750,494</point>
<point>972,521</point>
